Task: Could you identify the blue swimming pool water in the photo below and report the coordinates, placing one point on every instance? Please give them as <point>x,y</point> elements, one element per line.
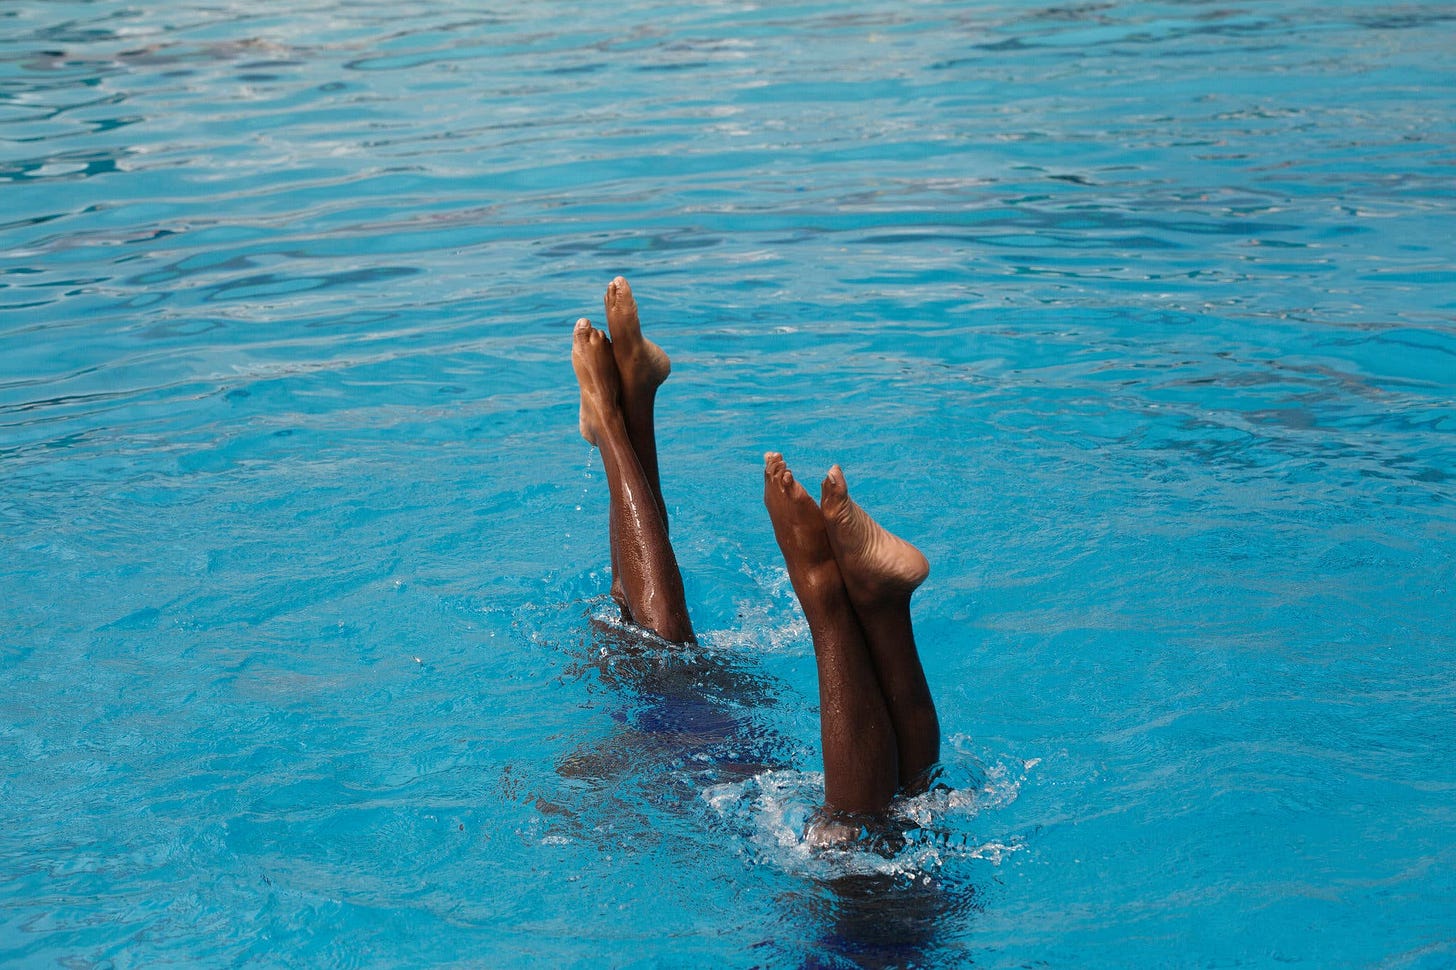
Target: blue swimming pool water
<point>1138,318</point>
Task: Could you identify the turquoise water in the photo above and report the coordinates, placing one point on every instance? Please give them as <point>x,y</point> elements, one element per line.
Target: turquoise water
<point>1139,318</point>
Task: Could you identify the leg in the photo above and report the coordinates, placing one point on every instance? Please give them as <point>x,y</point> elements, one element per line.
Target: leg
<point>642,367</point>
<point>860,768</point>
<point>880,572</point>
<point>651,583</point>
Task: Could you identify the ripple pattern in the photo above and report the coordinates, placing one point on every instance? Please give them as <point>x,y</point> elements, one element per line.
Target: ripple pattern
<point>1137,316</point>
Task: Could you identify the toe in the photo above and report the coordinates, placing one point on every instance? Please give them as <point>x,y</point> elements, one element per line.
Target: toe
<point>832,493</point>
<point>619,297</point>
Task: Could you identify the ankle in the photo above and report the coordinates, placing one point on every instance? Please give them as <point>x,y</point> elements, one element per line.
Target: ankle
<point>820,587</point>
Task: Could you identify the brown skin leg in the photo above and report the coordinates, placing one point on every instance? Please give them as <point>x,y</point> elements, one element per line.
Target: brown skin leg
<point>652,587</point>
<point>880,572</point>
<point>860,764</point>
<point>642,366</point>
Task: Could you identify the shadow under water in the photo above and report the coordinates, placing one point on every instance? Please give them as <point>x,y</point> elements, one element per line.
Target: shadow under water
<point>690,716</point>
<point>875,920</point>
<point>689,727</point>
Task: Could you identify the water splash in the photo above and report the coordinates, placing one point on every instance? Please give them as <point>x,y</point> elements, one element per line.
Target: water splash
<point>772,812</point>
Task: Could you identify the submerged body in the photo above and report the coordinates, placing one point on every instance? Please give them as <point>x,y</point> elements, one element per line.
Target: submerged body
<point>853,578</point>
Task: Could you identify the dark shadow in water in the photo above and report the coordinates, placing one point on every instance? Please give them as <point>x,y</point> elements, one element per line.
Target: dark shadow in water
<point>881,920</point>
<point>691,718</point>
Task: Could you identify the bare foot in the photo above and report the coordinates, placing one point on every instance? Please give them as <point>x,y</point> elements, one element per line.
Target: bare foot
<point>876,564</point>
<point>596,372</point>
<point>799,528</point>
<point>642,364</point>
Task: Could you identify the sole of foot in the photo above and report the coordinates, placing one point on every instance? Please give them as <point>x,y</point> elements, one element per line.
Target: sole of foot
<point>642,364</point>
<point>876,564</point>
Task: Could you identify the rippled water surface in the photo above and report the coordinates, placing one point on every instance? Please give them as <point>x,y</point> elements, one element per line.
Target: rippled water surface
<point>1140,318</point>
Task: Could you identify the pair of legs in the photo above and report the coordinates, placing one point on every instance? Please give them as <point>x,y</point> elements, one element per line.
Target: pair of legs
<point>619,380</point>
<point>853,578</point>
